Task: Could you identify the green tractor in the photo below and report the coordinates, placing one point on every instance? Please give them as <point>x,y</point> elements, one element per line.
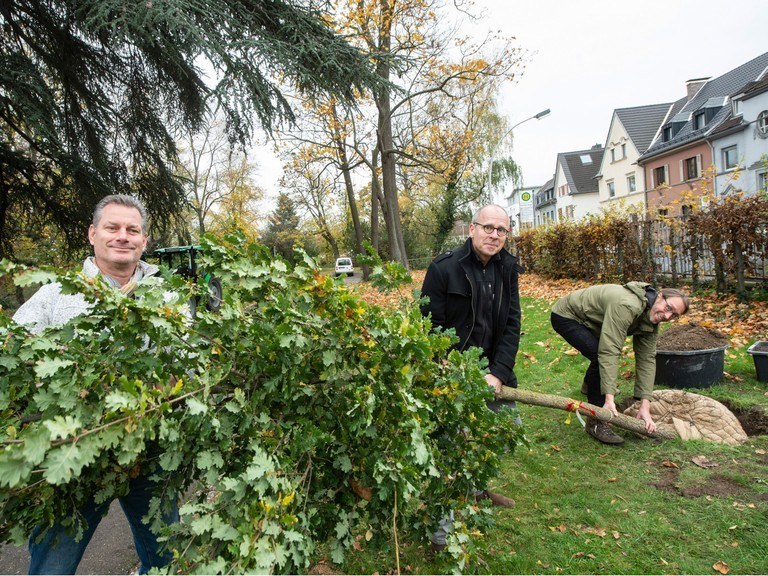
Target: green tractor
<point>182,260</point>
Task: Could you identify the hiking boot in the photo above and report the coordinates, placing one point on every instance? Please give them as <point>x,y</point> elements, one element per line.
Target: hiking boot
<point>496,499</point>
<point>584,388</point>
<point>602,432</point>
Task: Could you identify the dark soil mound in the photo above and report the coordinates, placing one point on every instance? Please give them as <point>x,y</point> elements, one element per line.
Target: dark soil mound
<point>762,347</point>
<point>685,337</point>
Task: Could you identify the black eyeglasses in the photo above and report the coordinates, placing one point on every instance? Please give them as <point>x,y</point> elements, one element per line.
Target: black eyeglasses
<point>668,309</point>
<point>488,229</point>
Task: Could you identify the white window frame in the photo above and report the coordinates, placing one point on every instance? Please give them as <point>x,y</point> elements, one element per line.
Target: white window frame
<point>762,181</point>
<point>726,152</point>
<point>611,188</point>
<point>762,123</point>
<point>665,167</point>
<point>631,183</point>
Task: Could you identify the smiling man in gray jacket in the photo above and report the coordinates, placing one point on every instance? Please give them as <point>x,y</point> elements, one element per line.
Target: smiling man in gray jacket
<point>118,236</point>
<point>596,321</point>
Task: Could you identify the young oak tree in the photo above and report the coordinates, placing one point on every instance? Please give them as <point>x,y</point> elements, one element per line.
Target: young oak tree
<point>299,416</point>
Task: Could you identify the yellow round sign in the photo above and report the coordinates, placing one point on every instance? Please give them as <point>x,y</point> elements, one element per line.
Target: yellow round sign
<point>525,196</point>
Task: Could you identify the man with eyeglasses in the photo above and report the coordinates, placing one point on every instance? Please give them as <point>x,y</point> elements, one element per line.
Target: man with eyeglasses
<point>596,321</point>
<point>474,289</point>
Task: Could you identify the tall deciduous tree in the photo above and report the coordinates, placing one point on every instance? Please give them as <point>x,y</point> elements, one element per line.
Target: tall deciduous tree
<point>419,59</point>
<point>218,181</point>
<point>91,92</point>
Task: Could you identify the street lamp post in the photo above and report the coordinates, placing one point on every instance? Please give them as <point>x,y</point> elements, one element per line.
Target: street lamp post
<point>537,116</point>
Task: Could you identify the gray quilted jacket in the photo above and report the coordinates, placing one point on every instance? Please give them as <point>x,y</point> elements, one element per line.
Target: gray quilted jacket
<point>49,307</point>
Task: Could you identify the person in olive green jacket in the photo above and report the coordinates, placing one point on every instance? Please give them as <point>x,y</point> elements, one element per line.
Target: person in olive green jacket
<point>596,321</point>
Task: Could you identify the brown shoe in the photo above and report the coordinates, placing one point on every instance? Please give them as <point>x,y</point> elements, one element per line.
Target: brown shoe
<point>584,388</point>
<point>496,499</point>
<point>602,432</point>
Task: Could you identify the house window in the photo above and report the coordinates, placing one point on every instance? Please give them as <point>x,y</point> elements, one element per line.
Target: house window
<point>623,150</point>
<point>687,210</point>
<point>663,212</point>
<point>613,154</point>
<point>690,168</point>
<point>762,123</point>
<point>730,157</point>
<point>762,181</point>
<point>611,189</point>
<point>699,120</point>
<point>659,175</point>
<point>631,186</point>
<point>667,133</point>
<point>569,210</point>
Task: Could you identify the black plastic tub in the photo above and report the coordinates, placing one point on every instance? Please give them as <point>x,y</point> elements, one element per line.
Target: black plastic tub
<point>690,368</point>
<point>759,352</point>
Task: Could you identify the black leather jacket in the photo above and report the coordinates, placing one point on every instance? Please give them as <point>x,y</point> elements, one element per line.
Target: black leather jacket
<point>450,287</point>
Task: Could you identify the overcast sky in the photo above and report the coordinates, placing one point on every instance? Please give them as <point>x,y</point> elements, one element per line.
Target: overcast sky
<point>589,57</point>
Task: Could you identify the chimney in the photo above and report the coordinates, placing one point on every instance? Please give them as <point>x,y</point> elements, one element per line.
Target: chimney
<point>694,85</point>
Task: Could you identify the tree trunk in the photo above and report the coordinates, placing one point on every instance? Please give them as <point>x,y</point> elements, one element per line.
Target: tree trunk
<point>386,143</point>
<point>377,200</point>
<point>351,201</point>
<point>663,431</point>
<point>738,255</point>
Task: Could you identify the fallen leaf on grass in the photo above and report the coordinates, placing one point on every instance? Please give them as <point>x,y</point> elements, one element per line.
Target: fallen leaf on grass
<point>613,479</point>
<point>721,567</point>
<point>703,462</point>
<point>574,352</point>
<point>531,357</point>
<point>669,464</point>
<point>555,447</point>
<point>760,451</point>
<point>616,535</point>
<point>663,561</point>
<point>596,531</point>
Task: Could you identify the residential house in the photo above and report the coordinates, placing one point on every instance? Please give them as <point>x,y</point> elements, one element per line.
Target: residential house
<point>740,143</point>
<point>575,183</point>
<point>520,206</point>
<point>621,183</point>
<point>545,204</point>
<point>680,156</point>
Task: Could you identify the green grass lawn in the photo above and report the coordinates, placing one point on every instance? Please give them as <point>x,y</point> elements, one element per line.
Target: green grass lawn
<point>587,508</point>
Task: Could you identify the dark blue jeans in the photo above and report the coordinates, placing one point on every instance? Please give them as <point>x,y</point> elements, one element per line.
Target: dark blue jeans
<point>59,552</point>
<point>579,336</point>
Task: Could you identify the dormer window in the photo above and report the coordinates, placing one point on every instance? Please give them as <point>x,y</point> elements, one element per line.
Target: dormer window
<point>667,133</point>
<point>699,120</point>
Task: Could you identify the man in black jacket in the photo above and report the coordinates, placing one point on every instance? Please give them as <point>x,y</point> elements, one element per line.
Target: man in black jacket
<point>474,289</point>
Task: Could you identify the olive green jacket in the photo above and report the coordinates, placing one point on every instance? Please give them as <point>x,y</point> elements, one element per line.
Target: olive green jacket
<point>612,312</point>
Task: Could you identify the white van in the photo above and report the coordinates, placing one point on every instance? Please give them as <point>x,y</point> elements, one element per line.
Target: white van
<point>343,266</point>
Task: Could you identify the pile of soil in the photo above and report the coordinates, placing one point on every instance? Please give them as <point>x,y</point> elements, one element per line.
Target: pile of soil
<point>686,337</point>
